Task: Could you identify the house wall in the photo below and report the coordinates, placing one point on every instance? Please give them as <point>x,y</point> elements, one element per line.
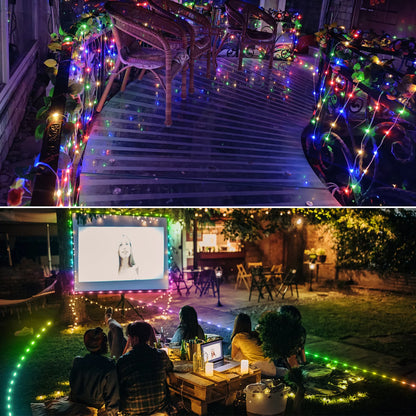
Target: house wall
<point>340,12</point>
<point>283,249</point>
<point>16,85</point>
<point>13,104</point>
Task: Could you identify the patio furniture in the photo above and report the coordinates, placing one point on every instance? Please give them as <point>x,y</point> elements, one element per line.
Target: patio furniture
<point>198,29</point>
<point>193,277</point>
<point>206,281</point>
<point>273,274</point>
<point>255,264</point>
<point>288,280</point>
<point>242,277</point>
<point>241,17</point>
<point>147,41</point>
<point>259,282</point>
<point>177,278</point>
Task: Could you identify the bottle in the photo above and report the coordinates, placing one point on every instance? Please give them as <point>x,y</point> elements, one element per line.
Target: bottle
<point>197,360</point>
<point>162,336</point>
<point>183,350</point>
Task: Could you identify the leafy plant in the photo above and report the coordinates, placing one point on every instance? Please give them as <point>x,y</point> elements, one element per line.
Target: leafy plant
<point>281,334</point>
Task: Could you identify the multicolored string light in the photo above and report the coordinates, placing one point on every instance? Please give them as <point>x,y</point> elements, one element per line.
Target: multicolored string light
<point>346,366</point>
<point>22,359</point>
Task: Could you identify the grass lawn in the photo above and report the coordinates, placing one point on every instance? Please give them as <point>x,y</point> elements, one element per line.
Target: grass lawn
<point>45,370</point>
<point>381,322</point>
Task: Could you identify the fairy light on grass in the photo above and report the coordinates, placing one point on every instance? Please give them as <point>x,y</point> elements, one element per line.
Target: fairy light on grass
<point>15,373</point>
<point>346,366</point>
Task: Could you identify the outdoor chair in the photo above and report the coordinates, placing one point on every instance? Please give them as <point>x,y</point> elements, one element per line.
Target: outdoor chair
<point>288,280</point>
<point>242,277</point>
<point>259,282</point>
<point>240,17</point>
<point>176,277</point>
<point>198,28</point>
<point>206,281</point>
<point>147,41</point>
<point>255,264</point>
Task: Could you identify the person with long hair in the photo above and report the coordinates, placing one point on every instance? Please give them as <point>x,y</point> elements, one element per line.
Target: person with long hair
<point>127,268</point>
<point>246,345</point>
<point>188,327</point>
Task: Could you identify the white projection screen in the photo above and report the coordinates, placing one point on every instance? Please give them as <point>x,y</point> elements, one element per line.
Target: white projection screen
<point>120,253</point>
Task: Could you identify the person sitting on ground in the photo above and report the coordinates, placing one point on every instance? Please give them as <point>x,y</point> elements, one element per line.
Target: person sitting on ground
<point>300,357</point>
<point>93,378</point>
<point>142,374</point>
<point>116,338</point>
<point>246,345</point>
<point>188,327</point>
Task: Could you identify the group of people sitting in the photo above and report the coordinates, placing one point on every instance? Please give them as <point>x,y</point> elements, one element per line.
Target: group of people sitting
<point>246,345</point>
<point>134,380</point>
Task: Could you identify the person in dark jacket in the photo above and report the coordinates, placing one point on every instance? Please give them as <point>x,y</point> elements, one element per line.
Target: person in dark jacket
<point>93,378</point>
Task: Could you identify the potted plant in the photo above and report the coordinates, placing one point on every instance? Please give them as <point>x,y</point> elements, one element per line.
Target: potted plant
<point>282,336</point>
<point>320,252</point>
<point>312,256</point>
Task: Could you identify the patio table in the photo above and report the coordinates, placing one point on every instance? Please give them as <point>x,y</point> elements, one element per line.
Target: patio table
<point>192,275</point>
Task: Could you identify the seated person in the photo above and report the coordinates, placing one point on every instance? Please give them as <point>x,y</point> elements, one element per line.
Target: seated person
<point>142,374</point>
<point>246,345</point>
<point>300,357</point>
<point>118,343</point>
<point>93,378</point>
<point>116,338</point>
<point>188,327</point>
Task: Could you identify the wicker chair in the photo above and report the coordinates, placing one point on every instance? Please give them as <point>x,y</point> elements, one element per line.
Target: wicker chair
<point>240,15</point>
<point>198,29</point>
<point>148,41</point>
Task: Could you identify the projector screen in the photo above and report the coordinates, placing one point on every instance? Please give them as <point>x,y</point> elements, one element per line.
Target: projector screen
<point>116,253</point>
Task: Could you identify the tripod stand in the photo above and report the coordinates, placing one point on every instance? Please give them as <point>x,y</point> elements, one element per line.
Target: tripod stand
<point>122,304</point>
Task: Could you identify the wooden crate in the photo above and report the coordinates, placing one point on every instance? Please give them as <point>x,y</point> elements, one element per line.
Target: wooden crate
<point>201,390</point>
<point>237,382</point>
<point>198,386</point>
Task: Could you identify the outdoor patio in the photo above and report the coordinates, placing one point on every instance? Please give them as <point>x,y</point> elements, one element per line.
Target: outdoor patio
<point>235,142</point>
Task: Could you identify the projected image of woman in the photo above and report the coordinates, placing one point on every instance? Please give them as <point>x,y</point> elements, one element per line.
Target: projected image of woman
<point>127,268</point>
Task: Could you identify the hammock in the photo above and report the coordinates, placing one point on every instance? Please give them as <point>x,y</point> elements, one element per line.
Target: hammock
<point>14,305</point>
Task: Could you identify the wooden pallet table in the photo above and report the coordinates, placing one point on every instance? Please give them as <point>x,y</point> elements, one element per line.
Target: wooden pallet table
<point>201,390</point>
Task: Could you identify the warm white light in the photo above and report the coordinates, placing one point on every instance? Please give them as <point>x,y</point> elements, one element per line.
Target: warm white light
<point>209,369</point>
<point>244,367</point>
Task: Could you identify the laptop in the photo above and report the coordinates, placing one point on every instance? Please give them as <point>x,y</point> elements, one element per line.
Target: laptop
<point>213,352</point>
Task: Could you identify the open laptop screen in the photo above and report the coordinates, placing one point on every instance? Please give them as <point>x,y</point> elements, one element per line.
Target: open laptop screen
<point>212,351</point>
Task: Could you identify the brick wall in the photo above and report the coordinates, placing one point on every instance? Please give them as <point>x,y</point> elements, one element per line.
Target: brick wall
<point>369,280</point>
